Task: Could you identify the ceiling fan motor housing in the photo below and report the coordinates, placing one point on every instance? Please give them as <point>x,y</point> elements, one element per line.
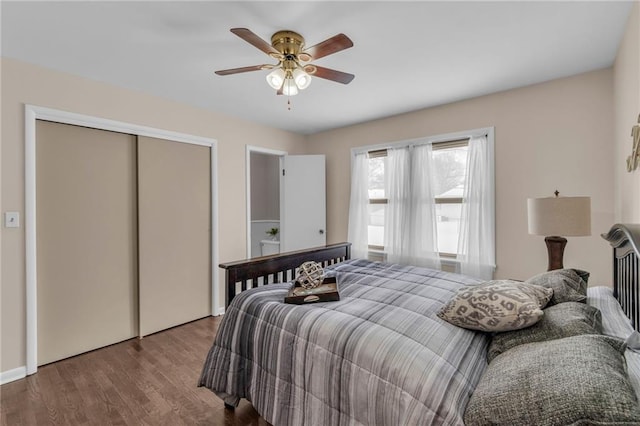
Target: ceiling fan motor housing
<point>287,42</point>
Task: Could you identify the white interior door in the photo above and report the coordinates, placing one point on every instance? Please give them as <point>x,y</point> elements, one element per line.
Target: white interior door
<point>302,202</point>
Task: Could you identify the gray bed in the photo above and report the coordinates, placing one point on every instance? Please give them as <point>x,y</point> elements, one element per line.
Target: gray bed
<point>379,356</point>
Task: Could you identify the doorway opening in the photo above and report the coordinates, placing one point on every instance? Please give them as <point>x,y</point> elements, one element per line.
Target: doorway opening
<point>263,201</point>
<point>286,201</point>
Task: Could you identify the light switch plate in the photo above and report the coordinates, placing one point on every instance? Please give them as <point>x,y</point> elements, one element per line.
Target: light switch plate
<point>12,219</point>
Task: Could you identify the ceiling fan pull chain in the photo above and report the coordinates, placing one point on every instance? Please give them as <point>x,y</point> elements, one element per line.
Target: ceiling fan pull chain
<point>289,104</point>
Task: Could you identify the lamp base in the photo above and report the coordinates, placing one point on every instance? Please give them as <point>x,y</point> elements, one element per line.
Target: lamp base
<point>555,248</point>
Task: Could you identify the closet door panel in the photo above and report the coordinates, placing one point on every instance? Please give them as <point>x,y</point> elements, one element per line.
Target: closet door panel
<point>86,239</point>
<point>174,204</point>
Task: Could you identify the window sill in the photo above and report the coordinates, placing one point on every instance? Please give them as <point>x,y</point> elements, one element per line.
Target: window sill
<point>449,263</point>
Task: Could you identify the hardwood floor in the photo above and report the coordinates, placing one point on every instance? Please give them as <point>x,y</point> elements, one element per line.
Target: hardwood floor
<point>152,381</point>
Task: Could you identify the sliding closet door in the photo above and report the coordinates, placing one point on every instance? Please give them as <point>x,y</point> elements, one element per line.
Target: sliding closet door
<point>86,239</point>
<point>174,205</point>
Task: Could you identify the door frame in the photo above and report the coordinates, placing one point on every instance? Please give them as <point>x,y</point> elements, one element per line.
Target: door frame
<point>248,150</point>
<point>33,113</point>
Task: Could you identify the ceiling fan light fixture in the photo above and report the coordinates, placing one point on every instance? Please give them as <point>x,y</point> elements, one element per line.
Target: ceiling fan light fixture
<point>292,73</point>
<point>275,78</point>
<point>289,88</point>
<point>301,78</point>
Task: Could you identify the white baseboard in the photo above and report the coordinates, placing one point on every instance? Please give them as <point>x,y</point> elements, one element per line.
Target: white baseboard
<point>13,375</point>
<point>220,311</point>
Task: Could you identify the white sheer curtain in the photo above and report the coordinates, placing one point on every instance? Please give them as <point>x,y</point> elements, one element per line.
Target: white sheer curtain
<point>423,230</point>
<point>476,244</point>
<point>397,216</point>
<point>359,207</point>
<point>410,226</point>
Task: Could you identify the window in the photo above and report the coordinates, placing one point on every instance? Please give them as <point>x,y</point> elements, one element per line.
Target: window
<point>377,198</point>
<point>450,163</point>
<point>423,201</point>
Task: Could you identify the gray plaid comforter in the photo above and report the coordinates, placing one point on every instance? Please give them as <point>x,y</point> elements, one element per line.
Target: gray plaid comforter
<point>379,356</point>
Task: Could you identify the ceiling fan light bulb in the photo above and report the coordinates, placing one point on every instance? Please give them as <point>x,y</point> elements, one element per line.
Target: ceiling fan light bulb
<point>275,78</point>
<point>289,88</point>
<point>302,79</point>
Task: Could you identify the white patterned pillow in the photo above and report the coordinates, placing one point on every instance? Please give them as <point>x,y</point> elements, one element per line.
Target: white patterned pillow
<point>499,305</point>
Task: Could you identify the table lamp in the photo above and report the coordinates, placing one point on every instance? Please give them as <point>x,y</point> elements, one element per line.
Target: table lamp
<point>556,218</point>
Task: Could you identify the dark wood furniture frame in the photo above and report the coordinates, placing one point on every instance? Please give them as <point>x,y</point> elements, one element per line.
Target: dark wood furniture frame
<point>625,240</point>
<point>245,274</point>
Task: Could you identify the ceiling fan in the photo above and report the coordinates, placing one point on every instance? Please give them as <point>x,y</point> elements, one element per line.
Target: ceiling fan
<point>293,71</point>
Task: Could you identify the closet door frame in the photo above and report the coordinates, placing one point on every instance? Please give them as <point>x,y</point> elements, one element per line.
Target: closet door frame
<point>33,113</point>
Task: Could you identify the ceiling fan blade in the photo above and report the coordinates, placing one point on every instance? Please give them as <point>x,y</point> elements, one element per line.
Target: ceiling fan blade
<point>333,75</point>
<point>244,69</point>
<point>331,45</point>
<point>251,38</point>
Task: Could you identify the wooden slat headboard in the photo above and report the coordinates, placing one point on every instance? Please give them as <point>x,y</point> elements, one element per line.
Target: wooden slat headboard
<point>245,274</point>
<point>625,240</point>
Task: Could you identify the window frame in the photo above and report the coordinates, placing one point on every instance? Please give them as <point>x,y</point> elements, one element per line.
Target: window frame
<point>452,265</point>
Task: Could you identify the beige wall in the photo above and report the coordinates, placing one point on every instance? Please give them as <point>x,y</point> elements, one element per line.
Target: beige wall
<point>547,136</point>
<point>27,84</point>
<point>626,92</point>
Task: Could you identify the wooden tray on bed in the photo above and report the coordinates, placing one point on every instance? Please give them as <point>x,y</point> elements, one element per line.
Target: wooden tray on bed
<point>325,292</point>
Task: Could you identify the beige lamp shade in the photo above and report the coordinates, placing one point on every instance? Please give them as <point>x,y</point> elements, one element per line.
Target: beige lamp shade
<point>560,216</point>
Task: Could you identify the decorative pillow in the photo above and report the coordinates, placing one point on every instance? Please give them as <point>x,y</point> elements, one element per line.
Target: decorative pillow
<point>582,274</point>
<point>616,323</point>
<point>566,284</point>
<point>561,320</point>
<point>577,380</point>
<point>499,305</point>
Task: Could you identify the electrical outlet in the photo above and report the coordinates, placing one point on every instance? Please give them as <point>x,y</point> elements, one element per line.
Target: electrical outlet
<point>12,220</point>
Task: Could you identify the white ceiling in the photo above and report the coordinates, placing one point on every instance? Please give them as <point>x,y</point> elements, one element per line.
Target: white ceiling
<point>406,55</point>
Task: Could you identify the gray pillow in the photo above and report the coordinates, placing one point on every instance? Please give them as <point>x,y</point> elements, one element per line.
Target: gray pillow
<point>577,380</point>
<point>566,284</point>
<point>561,320</point>
<point>582,274</point>
<point>498,305</point>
